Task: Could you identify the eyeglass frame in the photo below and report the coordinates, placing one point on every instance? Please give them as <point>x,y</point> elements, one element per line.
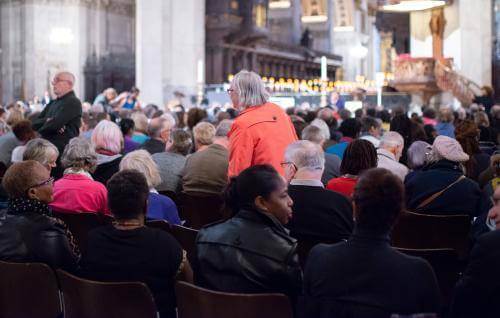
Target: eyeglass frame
<point>282,164</point>
<point>50,180</point>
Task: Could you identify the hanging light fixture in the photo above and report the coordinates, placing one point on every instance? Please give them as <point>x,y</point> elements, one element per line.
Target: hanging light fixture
<point>410,5</point>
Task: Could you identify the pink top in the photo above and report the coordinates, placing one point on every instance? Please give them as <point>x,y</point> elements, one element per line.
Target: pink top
<point>76,193</point>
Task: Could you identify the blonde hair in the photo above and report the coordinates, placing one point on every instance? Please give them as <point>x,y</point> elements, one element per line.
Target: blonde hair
<point>250,89</point>
<point>142,161</point>
<point>140,121</point>
<point>107,136</point>
<point>15,115</point>
<point>204,133</point>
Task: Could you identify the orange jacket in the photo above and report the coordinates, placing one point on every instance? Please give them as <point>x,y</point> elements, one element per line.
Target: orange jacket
<point>259,135</point>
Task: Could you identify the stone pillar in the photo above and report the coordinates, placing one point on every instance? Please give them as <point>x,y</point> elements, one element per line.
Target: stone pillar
<point>170,41</point>
<point>149,50</point>
<point>476,44</point>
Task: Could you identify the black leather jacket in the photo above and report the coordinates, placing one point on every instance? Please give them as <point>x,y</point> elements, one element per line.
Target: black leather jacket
<point>249,253</point>
<point>33,237</point>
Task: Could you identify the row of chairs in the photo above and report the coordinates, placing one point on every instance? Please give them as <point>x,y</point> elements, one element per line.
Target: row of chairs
<point>33,290</point>
<point>441,240</point>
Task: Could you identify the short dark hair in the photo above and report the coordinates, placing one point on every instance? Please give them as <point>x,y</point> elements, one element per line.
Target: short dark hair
<point>128,193</point>
<point>126,124</point>
<point>23,130</point>
<point>350,128</point>
<point>359,155</point>
<point>368,122</point>
<point>134,89</point>
<point>258,180</point>
<point>379,200</point>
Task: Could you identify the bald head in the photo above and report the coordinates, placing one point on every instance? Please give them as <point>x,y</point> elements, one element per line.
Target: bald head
<point>63,83</point>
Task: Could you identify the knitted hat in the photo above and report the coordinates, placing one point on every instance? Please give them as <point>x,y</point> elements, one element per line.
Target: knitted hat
<point>449,148</point>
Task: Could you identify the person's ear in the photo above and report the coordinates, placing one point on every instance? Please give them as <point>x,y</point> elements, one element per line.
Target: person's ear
<point>260,203</point>
<point>32,194</point>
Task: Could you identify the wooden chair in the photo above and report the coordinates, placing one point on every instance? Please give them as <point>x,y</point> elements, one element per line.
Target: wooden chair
<point>195,302</point>
<point>184,235</point>
<point>446,265</point>
<point>80,224</point>
<point>85,298</point>
<point>28,290</point>
<point>423,231</point>
<point>200,209</point>
<point>171,194</point>
<point>305,245</point>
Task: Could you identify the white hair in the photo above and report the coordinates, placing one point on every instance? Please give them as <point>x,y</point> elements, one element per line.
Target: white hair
<point>142,161</point>
<point>170,119</point>
<point>250,89</point>
<point>305,155</point>
<point>321,124</point>
<point>391,139</point>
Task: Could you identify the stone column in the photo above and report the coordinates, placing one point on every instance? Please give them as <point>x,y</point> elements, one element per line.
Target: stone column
<point>149,50</point>
<point>476,33</point>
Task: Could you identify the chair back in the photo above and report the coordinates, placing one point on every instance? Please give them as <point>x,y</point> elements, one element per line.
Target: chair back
<point>195,302</point>
<point>424,231</point>
<point>80,225</point>
<point>305,245</point>
<point>171,194</point>
<point>85,298</point>
<point>28,290</point>
<point>446,265</point>
<point>184,235</point>
<point>200,209</point>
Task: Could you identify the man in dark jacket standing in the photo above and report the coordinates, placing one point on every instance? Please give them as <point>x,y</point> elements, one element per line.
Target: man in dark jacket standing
<point>61,119</point>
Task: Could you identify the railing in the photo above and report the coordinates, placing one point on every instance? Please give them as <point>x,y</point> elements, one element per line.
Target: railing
<point>450,80</point>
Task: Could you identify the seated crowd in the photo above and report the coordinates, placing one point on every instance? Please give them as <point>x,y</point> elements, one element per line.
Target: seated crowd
<point>310,219</point>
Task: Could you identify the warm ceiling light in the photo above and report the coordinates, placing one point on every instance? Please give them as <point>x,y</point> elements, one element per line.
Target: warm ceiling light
<point>413,5</point>
<point>314,18</point>
<point>343,29</point>
<point>283,4</point>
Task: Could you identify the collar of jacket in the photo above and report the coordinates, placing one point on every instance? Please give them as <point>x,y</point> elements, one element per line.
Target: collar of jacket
<point>369,237</point>
<point>68,94</point>
<point>445,164</point>
<point>250,108</point>
<point>386,153</point>
<point>261,217</point>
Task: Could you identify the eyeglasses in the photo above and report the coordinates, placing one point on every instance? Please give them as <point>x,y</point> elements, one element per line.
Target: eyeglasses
<point>285,163</point>
<point>41,184</point>
<point>229,90</point>
<point>57,80</point>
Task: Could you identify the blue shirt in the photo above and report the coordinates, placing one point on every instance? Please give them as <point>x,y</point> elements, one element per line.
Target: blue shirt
<point>445,129</point>
<point>161,207</point>
<point>338,149</point>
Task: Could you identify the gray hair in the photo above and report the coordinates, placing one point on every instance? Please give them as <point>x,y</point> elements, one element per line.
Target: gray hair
<point>142,161</point>
<point>223,128</point>
<point>391,139</point>
<point>313,134</point>
<point>39,149</point>
<point>204,133</point>
<point>418,154</point>
<point>321,124</point>
<point>305,155</point>
<point>157,125</point>
<point>79,153</point>
<point>250,89</point>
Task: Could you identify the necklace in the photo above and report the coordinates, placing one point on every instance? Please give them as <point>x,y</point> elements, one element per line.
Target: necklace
<point>128,225</point>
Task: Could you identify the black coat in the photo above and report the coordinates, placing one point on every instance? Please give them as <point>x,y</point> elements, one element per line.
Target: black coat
<point>465,197</point>
<point>153,146</point>
<point>64,112</point>
<point>478,291</point>
<point>249,253</point>
<point>106,170</point>
<point>319,214</point>
<point>366,277</point>
<point>34,237</point>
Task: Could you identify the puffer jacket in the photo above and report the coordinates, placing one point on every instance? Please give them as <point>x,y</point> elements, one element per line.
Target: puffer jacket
<point>249,253</point>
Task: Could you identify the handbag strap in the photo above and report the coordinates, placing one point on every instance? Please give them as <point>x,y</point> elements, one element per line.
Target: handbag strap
<point>437,194</point>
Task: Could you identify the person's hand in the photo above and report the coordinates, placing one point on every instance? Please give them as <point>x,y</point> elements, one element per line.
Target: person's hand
<point>169,144</point>
<point>494,216</point>
<point>61,131</point>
